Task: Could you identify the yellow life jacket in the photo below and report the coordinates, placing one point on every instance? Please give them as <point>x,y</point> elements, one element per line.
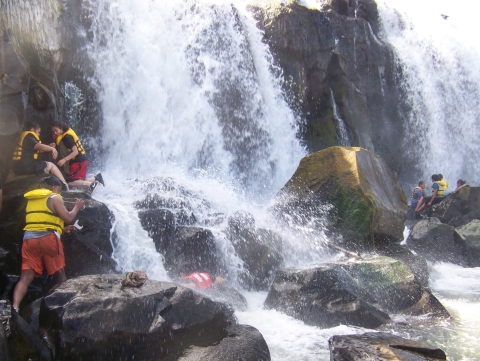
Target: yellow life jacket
<point>440,192</point>
<point>78,144</point>
<point>39,216</point>
<point>17,153</point>
<point>443,185</point>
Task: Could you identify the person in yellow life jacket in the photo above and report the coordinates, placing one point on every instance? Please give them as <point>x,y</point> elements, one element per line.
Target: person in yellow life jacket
<point>77,157</point>
<point>42,248</point>
<point>443,185</point>
<point>25,156</point>
<point>436,197</point>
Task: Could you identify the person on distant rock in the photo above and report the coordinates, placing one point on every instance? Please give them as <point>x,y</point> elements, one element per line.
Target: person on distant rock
<point>443,185</point>
<point>436,197</point>
<point>62,133</point>
<point>42,248</point>
<point>200,280</point>
<point>25,156</point>
<point>460,184</point>
<point>418,194</point>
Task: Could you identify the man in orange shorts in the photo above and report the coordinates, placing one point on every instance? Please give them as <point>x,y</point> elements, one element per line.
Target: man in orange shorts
<point>42,248</point>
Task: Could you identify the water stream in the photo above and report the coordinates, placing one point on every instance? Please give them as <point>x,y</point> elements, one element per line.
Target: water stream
<point>189,92</point>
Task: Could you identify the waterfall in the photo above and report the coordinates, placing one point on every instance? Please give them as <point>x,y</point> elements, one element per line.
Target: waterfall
<point>190,83</point>
<point>340,126</point>
<point>437,49</point>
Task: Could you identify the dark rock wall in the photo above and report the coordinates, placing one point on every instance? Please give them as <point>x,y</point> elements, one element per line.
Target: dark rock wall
<point>334,61</point>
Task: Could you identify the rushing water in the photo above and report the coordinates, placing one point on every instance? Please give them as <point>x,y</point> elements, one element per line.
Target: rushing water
<point>189,93</point>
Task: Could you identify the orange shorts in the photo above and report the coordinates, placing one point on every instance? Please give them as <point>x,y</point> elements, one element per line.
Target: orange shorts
<point>47,252</point>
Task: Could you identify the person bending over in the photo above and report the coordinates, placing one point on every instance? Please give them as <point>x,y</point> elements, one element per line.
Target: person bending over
<point>25,156</point>
<point>416,199</point>
<point>62,133</point>
<point>42,248</point>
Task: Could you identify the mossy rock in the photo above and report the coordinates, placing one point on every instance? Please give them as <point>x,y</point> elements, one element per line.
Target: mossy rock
<point>355,191</point>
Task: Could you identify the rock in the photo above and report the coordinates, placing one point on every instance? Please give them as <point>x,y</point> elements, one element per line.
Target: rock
<point>434,241</point>
<point>94,318</point>
<point>337,70</point>
<point>193,250</point>
<point>467,238</point>
<point>242,341</point>
<point>390,285</point>
<point>381,346</point>
<point>260,251</point>
<point>367,202</point>
<point>317,297</point>
<point>160,224</point>
<point>226,294</point>
<point>89,250</point>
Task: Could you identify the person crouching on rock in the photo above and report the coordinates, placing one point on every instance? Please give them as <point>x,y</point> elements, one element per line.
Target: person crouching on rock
<point>78,165</point>
<point>45,221</point>
<point>200,280</point>
<point>437,196</point>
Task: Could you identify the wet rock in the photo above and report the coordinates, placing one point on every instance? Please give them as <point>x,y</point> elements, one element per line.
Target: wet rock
<point>467,238</point>
<point>94,318</point>
<point>227,294</point>
<point>353,189</point>
<point>160,224</point>
<point>317,297</point>
<point>381,346</point>
<point>434,241</point>
<point>260,251</point>
<point>193,250</point>
<point>242,341</point>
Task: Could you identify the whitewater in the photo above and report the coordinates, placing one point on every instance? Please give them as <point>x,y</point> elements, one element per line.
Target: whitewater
<point>189,92</point>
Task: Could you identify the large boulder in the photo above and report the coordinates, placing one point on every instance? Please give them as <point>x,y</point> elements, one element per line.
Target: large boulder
<point>381,346</point>
<point>259,249</point>
<point>435,241</point>
<point>353,189</point>
<point>95,318</point>
<point>467,238</point>
<point>317,297</point>
<point>360,293</point>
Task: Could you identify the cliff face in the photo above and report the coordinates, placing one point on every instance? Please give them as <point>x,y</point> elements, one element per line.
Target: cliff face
<point>337,70</point>
<point>340,78</point>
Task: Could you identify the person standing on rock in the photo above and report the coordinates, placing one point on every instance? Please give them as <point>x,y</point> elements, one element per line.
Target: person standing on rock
<point>418,194</point>
<point>62,133</point>
<point>42,248</point>
<point>25,156</point>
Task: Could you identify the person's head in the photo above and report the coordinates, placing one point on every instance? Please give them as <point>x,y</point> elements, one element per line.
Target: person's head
<point>460,182</point>
<point>435,178</point>
<point>52,183</point>
<point>33,127</point>
<point>440,176</point>
<point>421,184</point>
<point>58,128</point>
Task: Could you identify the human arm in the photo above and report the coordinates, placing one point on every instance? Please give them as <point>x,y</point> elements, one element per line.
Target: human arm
<point>434,195</point>
<point>59,208</point>
<point>71,155</point>
<point>46,148</point>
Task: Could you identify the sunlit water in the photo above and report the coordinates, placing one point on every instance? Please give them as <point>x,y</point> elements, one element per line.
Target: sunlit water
<point>188,91</point>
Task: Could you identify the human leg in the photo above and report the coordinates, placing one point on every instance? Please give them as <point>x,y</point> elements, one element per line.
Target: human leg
<point>52,169</point>
<point>26,277</point>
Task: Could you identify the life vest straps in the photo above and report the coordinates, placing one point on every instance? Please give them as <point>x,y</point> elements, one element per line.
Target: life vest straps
<point>17,153</point>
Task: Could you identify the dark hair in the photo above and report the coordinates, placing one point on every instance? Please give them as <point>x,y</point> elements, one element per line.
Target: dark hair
<point>50,181</point>
<point>61,125</point>
<point>420,183</point>
<point>31,125</point>
<point>461,182</point>
<point>435,177</point>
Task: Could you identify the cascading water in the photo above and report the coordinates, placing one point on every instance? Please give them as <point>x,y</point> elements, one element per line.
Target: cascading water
<point>436,46</point>
<point>188,93</point>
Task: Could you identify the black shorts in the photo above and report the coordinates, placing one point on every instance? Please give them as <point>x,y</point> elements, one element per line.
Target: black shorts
<point>35,167</point>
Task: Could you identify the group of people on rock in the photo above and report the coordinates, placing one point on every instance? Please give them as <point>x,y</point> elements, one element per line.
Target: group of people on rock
<point>419,200</point>
<point>25,160</point>
<point>46,214</point>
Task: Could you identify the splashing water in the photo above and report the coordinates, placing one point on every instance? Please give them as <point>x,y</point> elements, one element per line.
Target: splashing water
<point>436,45</point>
